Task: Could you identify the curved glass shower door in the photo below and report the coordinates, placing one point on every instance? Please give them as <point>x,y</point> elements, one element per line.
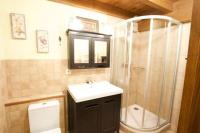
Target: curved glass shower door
<point>144,64</point>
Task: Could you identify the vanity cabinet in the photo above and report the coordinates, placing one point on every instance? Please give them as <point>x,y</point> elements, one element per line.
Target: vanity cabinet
<point>88,49</point>
<point>100,115</point>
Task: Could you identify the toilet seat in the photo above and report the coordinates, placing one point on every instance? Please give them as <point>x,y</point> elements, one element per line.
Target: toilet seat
<point>56,130</point>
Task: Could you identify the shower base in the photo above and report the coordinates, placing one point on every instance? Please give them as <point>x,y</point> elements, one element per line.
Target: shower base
<point>134,118</point>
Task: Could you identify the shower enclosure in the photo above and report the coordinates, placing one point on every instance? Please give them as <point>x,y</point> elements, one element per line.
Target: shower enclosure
<point>145,56</point>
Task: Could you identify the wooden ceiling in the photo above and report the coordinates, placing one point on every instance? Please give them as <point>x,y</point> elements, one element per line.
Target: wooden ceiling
<point>124,8</point>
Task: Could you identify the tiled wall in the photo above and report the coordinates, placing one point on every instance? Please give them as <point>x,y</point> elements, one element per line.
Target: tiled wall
<point>2,88</point>
<point>34,78</point>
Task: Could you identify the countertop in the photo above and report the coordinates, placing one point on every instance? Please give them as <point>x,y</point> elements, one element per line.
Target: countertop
<point>85,92</point>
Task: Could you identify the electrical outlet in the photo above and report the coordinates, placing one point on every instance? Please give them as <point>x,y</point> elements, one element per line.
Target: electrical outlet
<point>67,72</point>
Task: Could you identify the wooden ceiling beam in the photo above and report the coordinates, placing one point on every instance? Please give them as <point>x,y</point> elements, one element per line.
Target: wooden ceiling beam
<point>99,7</point>
<point>161,5</point>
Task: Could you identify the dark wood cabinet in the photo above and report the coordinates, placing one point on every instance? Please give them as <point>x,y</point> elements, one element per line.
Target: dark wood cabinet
<point>88,49</point>
<point>110,114</point>
<point>94,116</point>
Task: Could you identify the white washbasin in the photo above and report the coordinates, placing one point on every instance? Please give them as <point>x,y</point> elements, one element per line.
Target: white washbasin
<point>85,92</point>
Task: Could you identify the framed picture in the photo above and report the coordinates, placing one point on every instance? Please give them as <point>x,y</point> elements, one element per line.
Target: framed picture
<point>18,26</point>
<point>42,41</point>
<point>89,24</point>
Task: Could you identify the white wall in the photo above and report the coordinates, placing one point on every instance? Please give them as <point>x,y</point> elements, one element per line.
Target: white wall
<point>46,15</point>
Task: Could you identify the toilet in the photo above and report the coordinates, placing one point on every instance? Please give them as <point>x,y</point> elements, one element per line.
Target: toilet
<point>44,117</point>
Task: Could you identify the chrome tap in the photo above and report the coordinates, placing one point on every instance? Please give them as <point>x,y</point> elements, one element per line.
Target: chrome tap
<point>89,81</point>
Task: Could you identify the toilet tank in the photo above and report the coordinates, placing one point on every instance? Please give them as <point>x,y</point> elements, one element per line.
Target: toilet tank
<point>44,116</point>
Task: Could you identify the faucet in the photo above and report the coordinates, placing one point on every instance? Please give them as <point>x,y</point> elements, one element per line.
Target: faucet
<point>89,81</point>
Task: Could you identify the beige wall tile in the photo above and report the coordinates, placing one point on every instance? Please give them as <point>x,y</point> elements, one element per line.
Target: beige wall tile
<point>36,77</point>
<point>2,96</point>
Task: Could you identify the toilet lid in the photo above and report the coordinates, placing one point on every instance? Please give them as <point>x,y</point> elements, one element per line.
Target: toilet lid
<point>56,130</point>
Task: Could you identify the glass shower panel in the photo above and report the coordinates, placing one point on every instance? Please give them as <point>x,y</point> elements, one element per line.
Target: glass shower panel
<point>144,60</point>
<point>156,73</point>
<point>138,73</point>
<point>170,72</point>
<point>120,59</point>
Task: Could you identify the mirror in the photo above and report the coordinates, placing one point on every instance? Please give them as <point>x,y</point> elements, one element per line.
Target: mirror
<point>81,51</point>
<point>100,52</point>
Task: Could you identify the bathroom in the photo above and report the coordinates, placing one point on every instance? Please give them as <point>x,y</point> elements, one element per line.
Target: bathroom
<point>34,75</point>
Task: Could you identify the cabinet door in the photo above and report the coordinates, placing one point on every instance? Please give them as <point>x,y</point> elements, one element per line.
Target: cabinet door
<point>89,118</point>
<point>80,55</point>
<point>110,114</point>
<point>101,52</point>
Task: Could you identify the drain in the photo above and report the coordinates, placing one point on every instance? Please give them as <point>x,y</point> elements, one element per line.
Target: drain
<point>136,108</point>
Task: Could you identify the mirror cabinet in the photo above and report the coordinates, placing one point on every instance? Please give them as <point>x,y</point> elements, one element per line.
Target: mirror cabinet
<point>88,49</point>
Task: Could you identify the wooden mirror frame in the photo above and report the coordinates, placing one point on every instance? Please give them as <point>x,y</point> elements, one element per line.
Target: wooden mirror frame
<point>108,52</point>
<point>91,36</point>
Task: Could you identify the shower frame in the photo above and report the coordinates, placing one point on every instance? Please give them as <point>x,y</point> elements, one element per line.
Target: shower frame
<point>130,39</point>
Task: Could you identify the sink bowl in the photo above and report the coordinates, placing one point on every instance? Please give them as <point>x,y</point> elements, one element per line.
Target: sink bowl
<point>85,92</point>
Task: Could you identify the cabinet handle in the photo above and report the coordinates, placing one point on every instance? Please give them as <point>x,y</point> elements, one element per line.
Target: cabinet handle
<point>108,101</point>
<point>91,106</point>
